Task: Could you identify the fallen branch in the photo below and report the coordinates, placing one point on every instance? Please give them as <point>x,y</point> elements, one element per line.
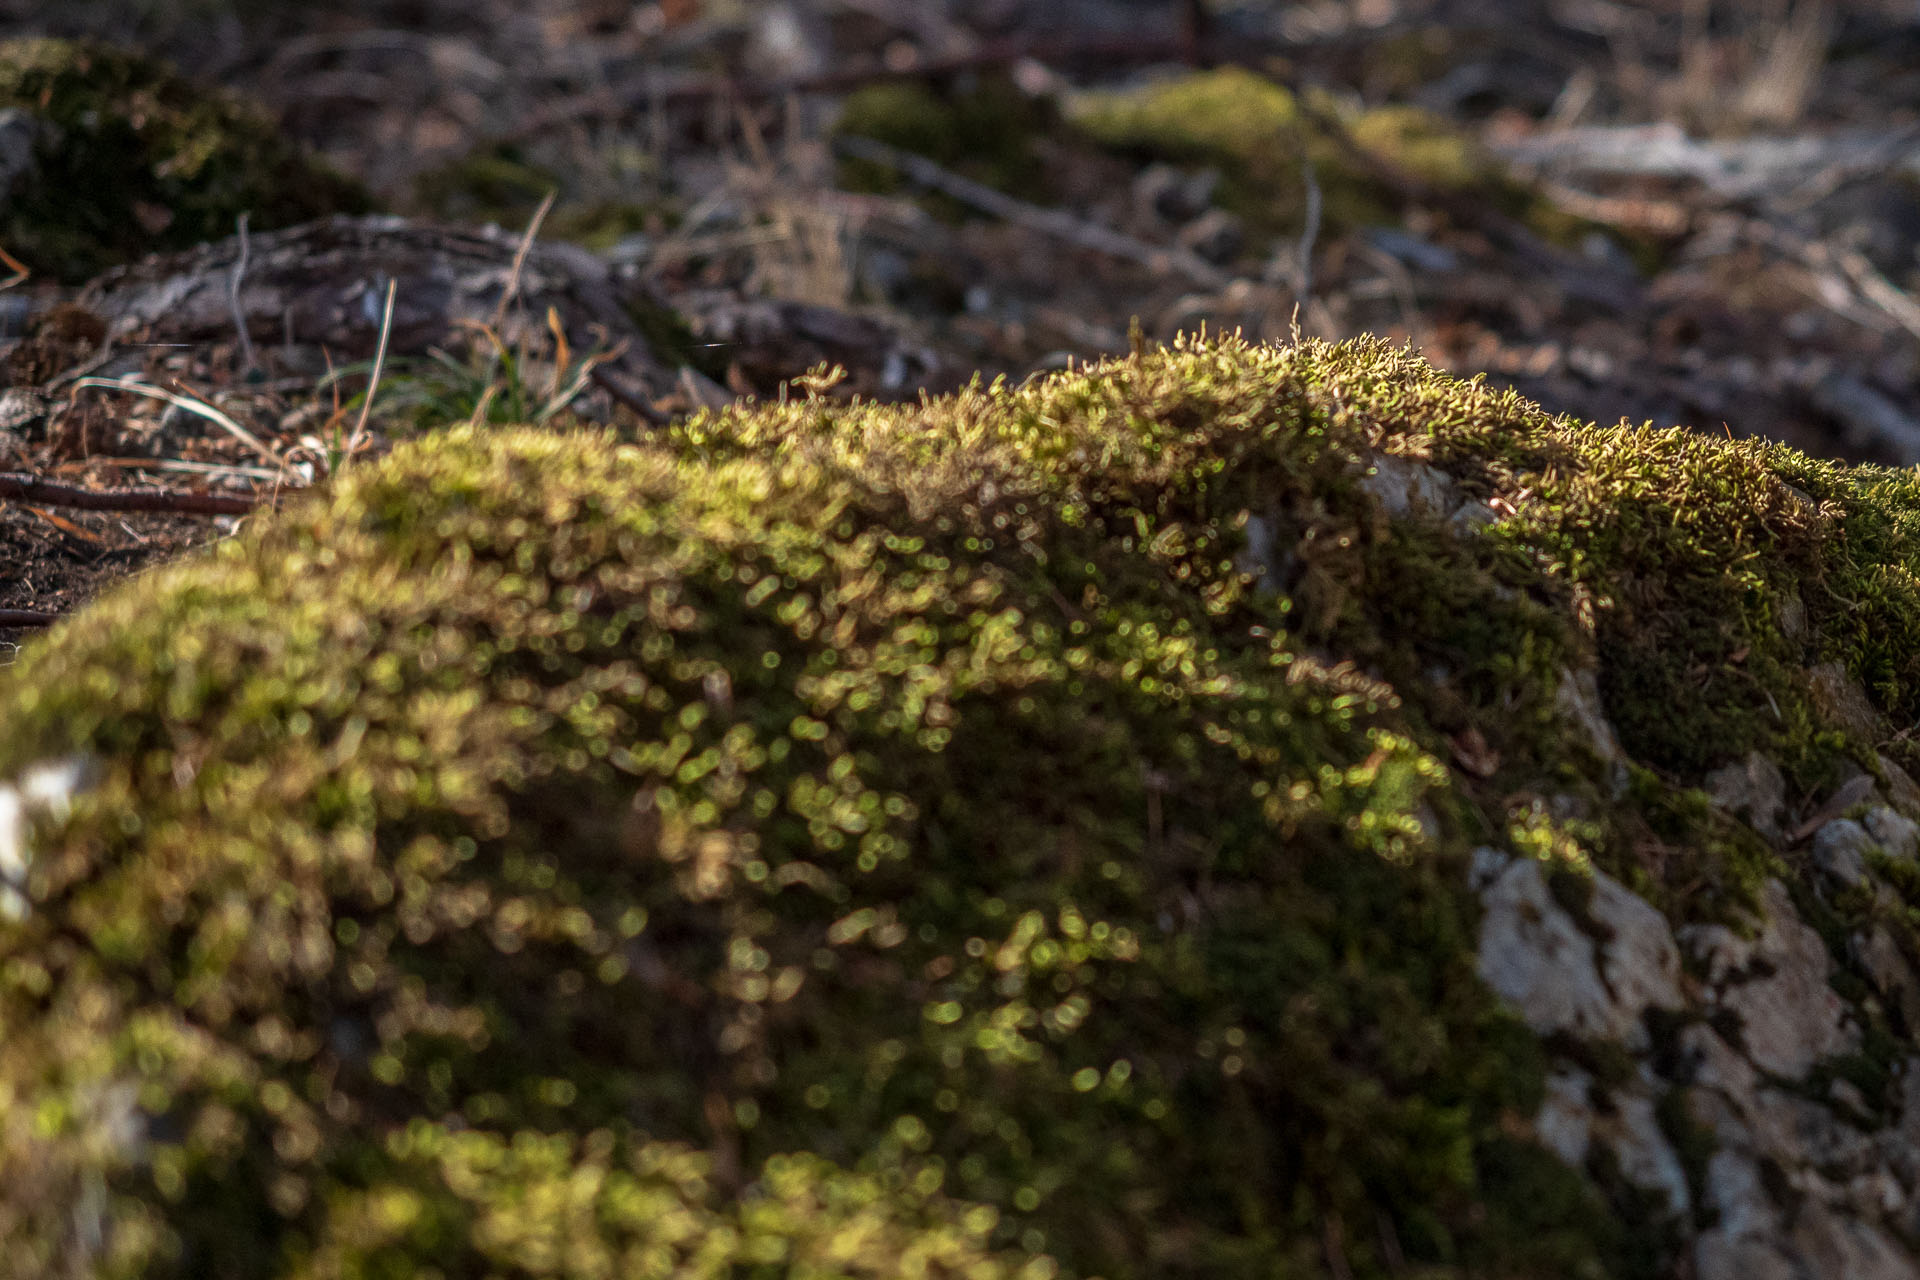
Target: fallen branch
<point>27,618</point>
<point>21,487</point>
<point>1053,222</point>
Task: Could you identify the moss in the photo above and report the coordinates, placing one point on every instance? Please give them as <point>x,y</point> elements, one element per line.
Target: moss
<point>132,158</point>
<point>1255,132</point>
<point>853,832</point>
<point>982,127</point>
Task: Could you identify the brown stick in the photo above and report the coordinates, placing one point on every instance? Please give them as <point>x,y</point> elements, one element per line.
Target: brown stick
<point>27,618</point>
<point>1191,46</point>
<point>21,487</point>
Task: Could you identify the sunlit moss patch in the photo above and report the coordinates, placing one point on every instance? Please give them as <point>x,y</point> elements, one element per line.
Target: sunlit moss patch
<point>1020,834</point>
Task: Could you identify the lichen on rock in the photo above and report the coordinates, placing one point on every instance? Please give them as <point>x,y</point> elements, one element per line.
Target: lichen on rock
<point>1052,829</point>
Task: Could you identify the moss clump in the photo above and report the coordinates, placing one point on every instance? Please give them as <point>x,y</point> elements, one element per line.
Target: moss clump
<point>1017,832</point>
<point>1256,133</point>
<point>984,128</point>
<point>132,158</point>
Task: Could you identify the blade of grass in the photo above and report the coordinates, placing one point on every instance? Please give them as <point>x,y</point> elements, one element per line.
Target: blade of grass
<point>193,405</point>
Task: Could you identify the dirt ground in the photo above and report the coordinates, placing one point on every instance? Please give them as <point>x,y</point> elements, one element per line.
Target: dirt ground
<point>1695,212</point>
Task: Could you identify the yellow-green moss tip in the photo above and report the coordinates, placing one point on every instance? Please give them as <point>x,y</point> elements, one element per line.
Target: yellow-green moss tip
<point>1024,832</point>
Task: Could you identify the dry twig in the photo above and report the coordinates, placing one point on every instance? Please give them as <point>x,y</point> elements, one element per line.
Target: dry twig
<point>1053,222</point>
<point>19,486</point>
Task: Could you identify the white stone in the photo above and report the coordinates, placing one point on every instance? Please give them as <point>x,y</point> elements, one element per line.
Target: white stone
<point>1840,850</point>
<point>1565,1122</point>
<point>1897,834</point>
<point>1721,1255</point>
<point>1752,790</point>
<point>1646,1158</point>
<point>1789,1017</point>
<point>1405,486</point>
<point>1828,1244</point>
<point>1577,699</point>
<point>1538,958</point>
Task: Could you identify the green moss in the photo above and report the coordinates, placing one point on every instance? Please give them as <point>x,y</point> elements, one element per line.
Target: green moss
<point>853,832</point>
<point>132,158</point>
<point>984,128</point>
<point>1254,131</point>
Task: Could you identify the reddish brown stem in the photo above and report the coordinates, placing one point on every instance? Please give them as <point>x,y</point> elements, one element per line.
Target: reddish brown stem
<point>27,618</point>
<point>22,487</point>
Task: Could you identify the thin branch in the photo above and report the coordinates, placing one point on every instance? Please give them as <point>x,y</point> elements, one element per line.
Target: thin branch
<point>20,486</point>
<point>1053,222</point>
<point>27,618</point>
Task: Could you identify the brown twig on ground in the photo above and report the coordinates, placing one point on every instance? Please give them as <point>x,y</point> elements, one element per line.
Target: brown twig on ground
<point>1053,222</point>
<point>20,487</point>
<point>1185,46</point>
<point>23,618</point>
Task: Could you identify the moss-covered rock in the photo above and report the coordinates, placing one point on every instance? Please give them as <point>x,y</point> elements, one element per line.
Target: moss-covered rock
<point>131,158</point>
<point>1256,133</point>
<point>986,129</point>
<point>1022,834</point>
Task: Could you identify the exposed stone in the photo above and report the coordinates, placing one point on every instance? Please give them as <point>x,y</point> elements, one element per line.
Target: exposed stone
<point>1577,699</point>
<point>1564,1124</point>
<point>1896,834</point>
<point>1753,790</point>
<point>1892,974</point>
<point>1842,701</point>
<point>1840,850</point>
<point>1407,486</point>
<point>1902,790</point>
<point>1777,985</point>
<point>1538,957</point>
<point>44,792</point>
<point>1829,1244</point>
<point>20,135</point>
<point>1645,1157</point>
<point>1796,1131</point>
<point>1721,1255</point>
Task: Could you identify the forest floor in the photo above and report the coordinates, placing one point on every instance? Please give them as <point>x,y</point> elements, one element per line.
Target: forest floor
<point>1689,212</point>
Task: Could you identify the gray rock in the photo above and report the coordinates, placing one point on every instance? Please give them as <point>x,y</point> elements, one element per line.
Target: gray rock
<point>1754,791</point>
<point>21,137</point>
<point>1777,985</point>
<point>44,793</point>
<point>1896,834</point>
<point>1564,1123</point>
<point>1537,957</point>
<point>1407,486</point>
<point>1577,699</point>
<point>1840,851</point>
<point>1645,1157</point>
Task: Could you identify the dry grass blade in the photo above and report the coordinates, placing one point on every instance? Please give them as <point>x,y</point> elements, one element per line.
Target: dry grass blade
<point>1053,222</point>
<point>192,405</point>
<point>21,271</point>
<point>512,290</point>
<point>359,434</point>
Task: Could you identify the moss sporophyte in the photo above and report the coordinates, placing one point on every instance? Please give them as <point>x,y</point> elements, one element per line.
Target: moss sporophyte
<point>1019,834</point>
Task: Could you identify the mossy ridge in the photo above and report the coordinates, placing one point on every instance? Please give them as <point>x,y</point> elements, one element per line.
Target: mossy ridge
<point>1256,133</point>
<point>925,789</point>
<point>138,159</point>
